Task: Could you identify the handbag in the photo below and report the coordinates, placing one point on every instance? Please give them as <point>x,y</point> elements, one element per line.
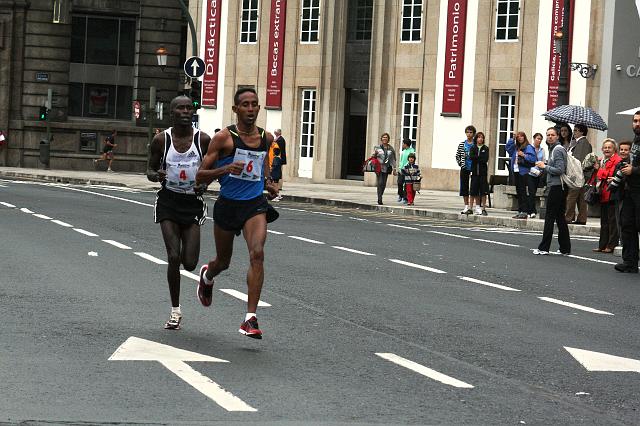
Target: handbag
<point>591,193</point>
<point>416,186</point>
<point>371,165</point>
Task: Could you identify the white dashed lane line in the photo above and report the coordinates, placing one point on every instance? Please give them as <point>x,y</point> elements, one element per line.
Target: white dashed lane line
<point>275,232</point>
<point>353,251</point>
<point>41,216</point>
<point>450,235</point>
<point>26,210</point>
<point>229,291</point>
<point>61,223</point>
<point>488,284</point>
<point>495,242</point>
<point>415,265</point>
<point>117,244</point>
<point>425,371</point>
<point>590,259</point>
<point>307,240</point>
<point>150,258</point>
<point>403,227</point>
<point>7,205</point>
<point>575,306</point>
<point>83,232</point>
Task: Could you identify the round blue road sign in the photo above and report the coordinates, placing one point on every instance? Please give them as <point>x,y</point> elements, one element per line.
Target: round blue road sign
<point>194,67</point>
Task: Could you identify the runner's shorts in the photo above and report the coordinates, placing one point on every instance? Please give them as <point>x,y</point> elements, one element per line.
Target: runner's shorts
<point>231,215</point>
<point>184,209</point>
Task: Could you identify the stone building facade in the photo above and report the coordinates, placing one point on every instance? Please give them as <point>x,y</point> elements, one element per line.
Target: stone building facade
<point>97,57</point>
<point>354,69</point>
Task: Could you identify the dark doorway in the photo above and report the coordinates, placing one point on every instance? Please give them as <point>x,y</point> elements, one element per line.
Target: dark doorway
<point>355,134</point>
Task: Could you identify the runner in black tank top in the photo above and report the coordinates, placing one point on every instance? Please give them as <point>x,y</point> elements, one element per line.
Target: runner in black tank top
<point>241,206</point>
<point>179,207</point>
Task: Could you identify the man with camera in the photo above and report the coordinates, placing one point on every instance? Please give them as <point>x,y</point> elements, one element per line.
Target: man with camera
<point>630,213</point>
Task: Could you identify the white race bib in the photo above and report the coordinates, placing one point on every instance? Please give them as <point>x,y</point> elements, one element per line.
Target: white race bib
<point>253,163</point>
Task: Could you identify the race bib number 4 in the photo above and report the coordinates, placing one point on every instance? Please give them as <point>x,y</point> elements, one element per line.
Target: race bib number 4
<point>253,163</point>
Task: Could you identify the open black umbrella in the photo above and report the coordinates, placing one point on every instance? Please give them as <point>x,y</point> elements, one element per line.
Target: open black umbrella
<point>576,114</point>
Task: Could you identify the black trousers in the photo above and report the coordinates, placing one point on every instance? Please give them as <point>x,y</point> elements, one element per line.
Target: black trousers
<point>521,191</point>
<point>630,225</point>
<point>555,214</point>
<point>532,187</point>
<point>401,192</point>
<point>381,184</point>
<point>608,226</point>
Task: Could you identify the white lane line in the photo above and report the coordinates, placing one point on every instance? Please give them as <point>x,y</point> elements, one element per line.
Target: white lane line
<point>449,235</point>
<point>353,251</point>
<point>403,227</point>
<point>501,287</point>
<point>7,204</point>
<point>414,265</point>
<point>575,306</point>
<point>293,210</point>
<point>496,242</point>
<point>41,216</point>
<point>326,214</point>
<point>241,296</point>
<point>117,244</point>
<point>275,232</point>
<point>305,239</point>
<point>425,371</point>
<point>87,233</point>
<point>229,291</point>
<point>108,196</point>
<point>149,257</point>
<point>61,223</point>
<point>590,259</point>
<point>26,210</point>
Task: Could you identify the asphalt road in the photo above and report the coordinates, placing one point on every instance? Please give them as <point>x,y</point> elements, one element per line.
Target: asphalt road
<point>373,319</point>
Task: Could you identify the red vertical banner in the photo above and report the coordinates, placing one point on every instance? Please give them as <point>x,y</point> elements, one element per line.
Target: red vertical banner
<point>555,59</point>
<point>211,51</point>
<point>454,58</point>
<point>277,25</point>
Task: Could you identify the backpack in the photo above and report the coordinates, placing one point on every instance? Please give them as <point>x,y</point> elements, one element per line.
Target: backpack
<point>573,177</point>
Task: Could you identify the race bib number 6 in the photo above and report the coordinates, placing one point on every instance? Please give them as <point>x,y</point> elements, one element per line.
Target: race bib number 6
<point>253,163</point>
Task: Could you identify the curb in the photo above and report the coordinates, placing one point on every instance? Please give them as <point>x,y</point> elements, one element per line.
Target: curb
<point>525,225</point>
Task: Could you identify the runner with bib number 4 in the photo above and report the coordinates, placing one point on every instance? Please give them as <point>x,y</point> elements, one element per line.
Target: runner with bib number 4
<point>236,157</point>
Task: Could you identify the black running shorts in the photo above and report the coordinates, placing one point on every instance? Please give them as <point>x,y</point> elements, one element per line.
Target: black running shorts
<point>231,215</point>
<point>183,209</point>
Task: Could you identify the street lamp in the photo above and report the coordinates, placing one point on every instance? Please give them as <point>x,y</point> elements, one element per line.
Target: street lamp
<point>161,55</point>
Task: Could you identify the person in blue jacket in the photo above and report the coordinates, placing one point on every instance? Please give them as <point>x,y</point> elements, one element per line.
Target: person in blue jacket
<point>523,157</point>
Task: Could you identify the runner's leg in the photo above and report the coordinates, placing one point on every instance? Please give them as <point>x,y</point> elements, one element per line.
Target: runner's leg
<point>171,236</point>
<point>224,251</point>
<point>255,234</point>
<point>190,246</point>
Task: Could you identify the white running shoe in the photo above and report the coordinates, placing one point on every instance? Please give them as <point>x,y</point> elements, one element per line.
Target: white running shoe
<point>477,211</point>
<point>532,215</point>
<point>540,252</point>
<point>174,321</point>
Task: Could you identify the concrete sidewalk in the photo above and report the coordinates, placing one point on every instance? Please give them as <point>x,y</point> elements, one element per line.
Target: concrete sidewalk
<point>352,194</point>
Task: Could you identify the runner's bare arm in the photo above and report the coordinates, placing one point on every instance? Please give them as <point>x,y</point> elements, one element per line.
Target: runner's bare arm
<point>271,187</point>
<point>155,155</point>
<point>220,145</point>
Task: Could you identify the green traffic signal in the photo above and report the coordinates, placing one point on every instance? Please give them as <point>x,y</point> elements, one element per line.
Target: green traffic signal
<point>44,113</point>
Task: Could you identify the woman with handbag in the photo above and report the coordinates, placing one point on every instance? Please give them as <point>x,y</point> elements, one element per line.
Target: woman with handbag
<point>605,168</point>
<point>523,157</point>
<point>386,155</point>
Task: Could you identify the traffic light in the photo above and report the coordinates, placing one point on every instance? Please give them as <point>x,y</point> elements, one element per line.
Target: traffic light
<point>195,94</point>
<point>44,113</point>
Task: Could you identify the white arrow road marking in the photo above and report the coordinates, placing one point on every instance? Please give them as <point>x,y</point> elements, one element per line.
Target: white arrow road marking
<point>87,233</point>
<point>230,292</point>
<point>425,371</point>
<point>353,251</point>
<point>150,258</point>
<point>7,204</point>
<point>501,287</point>
<point>117,244</point>
<point>136,349</point>
<point>575,306</point>
<point>305,239</point>
<point>598,361</point>
<point>61,223</point>
<point>414,265</point>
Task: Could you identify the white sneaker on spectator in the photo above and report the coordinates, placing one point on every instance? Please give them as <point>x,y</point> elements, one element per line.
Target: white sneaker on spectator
<point>477,211</point>
<point>540,252</point>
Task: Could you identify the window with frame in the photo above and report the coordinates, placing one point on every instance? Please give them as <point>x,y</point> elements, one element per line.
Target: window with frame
<point>410,114</point>
<point>507,20</point>
<point>411,21</point>
<point>101,73</point>
<point>506,123</point>
<point>307,123</point>
<point>360,19</point>
<point>310,21</point>
<point>249,21</point>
